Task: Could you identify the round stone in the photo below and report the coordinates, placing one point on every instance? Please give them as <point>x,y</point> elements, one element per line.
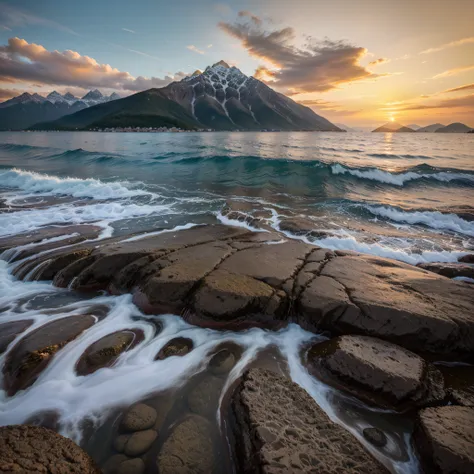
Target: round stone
<point>139,417</point>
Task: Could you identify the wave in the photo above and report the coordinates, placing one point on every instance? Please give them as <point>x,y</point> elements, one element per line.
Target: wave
<point>400,178</point>
<point>33,182</point>
<point>100,213</point>
<point>433,219</point>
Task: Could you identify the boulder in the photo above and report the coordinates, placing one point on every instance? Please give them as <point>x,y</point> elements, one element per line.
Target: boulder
<point>105,351</point>
<point>222,362</point>
<point>135,444</point>
<point>417,309</point>
<point>131,466</point>
<point>375,436</point>
<point>139,417</point>
<point>377,371</point>
<point>227,300</point>
<point>32,353</point>
<point>279,429</point>
<point>469,258</point>
<point>26,448</point>
<point>179,346</point>
<point>9,331</point>
<point>444,438</point>
<point>188,449</point>
<point>449,270</point>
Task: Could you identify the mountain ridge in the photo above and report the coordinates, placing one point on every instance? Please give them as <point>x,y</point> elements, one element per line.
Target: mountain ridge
<point>220,98</point>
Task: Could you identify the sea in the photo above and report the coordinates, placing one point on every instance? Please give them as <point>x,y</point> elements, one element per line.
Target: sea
<point>408,197</point>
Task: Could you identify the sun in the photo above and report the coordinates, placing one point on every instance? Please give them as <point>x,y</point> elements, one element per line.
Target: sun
<point>392,119</point>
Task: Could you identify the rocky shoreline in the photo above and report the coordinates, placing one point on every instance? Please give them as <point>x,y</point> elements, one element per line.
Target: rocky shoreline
<point>401,339</point>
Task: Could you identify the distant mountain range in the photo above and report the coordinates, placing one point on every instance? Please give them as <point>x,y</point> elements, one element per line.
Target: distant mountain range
<point>25,110</point>
<point>394,127</point>
<point>220,98</point>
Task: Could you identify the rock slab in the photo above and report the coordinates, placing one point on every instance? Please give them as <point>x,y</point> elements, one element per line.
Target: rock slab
<point>444,438</point>
<point>281,429</point>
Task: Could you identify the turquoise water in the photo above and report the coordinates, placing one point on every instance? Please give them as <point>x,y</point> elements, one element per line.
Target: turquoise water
<point>402,196</point>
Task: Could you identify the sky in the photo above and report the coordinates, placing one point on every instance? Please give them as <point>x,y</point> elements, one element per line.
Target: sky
<point>360,63</point>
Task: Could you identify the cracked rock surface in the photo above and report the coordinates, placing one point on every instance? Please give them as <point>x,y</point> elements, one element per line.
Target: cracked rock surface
<point>281,429</point>
<point>34,449</point>
<point>229,278</point>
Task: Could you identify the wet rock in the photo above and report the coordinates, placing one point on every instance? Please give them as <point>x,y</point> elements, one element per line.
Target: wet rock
<point>469,258</point>
<point>272,264</point>
<point>113,463</point>
<point>188,449</point>
<point>391,300</point>
<point>8,332</point>
<point>222,362</point>
<point>180,272</point>
<point>52,266</point>
<point>377,371</point>
<point>280,428</point>
<point>227,300</point>
<point>297,226</point>
<point>203,399</point>
<point>179,346</point>
<point>375,436</point>
<point>139,417</point>
<point>100,273</point>
<point>33,237</point>
<point>65,276</point>
<point>459,381</point>
<point>26,448</point>
<point>135,444</point>
<point>449,270</point>
<point>444,438</point>
<point>33,353</point>
<point>131,466</point>
<point>105,351</point>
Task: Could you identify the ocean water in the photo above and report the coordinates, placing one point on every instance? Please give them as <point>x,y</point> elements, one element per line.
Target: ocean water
<point>404,196</point>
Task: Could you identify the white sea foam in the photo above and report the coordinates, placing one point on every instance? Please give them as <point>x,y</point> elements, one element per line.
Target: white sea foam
<point>26,220</point>
<point>433,219</point>
<point>399,179</point>
<point>158,232</point>
<point>33,182</point>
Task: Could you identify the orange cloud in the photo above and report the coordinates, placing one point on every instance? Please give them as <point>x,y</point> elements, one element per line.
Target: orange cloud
<point>452,44</point>
<point>30,62</point>
<point>453,72</point>
<point>317,67</point>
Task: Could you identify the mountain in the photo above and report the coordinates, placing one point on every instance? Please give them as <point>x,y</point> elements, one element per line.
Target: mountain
<point>414,126</point>
<point>27,109</point>
<point>22,99</point>
<point>24,115</point>
<point>345,127</point>
<point>456,127</point>
<point>220,98</point>
<point>389,127</point>
<point>404,130</point>
<point>430,128</point>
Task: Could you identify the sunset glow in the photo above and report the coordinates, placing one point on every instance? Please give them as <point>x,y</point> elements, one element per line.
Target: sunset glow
<point>345,71</point>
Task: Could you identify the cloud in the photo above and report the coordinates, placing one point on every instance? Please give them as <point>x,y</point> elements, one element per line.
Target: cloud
<point>379,61</point>
<point>332,107</point>
<point>12,17</point>
<point>6,94</point>
<point>254,18</point>
<point>453,72</point>
<point>452,44</point>
<point>317,67</point>
<point>3,27</point>
<point>194,49</point>
<point>30,62</point>
<point>465,102</point>
<point>460,88</point>
<point>128,31</point>
<point>209,46</point>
